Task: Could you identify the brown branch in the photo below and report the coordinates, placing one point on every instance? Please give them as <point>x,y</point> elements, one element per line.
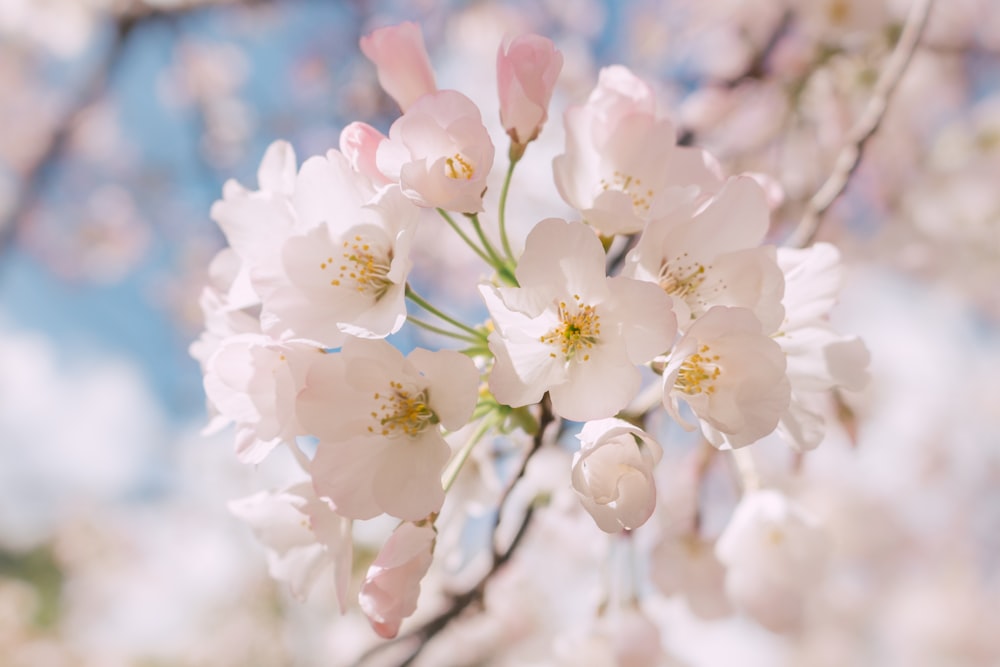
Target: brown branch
<point>864,128</point>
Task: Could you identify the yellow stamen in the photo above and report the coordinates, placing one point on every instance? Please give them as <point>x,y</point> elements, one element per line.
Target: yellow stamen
<point>457,166</point>
<point>698,373</point>
<point>624,183</point>
<point>364,268</point>
<point>578,329</point>
<point>401,412</point>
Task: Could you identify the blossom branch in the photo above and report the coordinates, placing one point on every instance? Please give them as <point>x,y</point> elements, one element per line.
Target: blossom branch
<point>864,128</point>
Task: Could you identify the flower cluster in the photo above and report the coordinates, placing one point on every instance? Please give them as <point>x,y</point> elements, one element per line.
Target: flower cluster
<point>660,295</point>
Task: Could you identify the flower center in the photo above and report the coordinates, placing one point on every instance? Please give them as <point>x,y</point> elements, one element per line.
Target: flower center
<point>680,277</point>
<point>698,373</point>
<point>578,330</point>
<point>363,268</point>
<point>401,412</point>
<point>632,187</point>
<point>458,167</point>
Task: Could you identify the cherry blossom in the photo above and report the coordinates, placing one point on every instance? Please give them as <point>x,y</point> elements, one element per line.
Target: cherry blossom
<point>613,473</point>
<point>303,535</point>
<point>622,165</point>
<point>711,256</point>
<point>439,152</point>
<point>569,329</point>
<point>819,359</point>
<point>256,221</point>
<point>346,274</point>
<point>731,375</point>
<point>377,417</point>
<point>251,380</point>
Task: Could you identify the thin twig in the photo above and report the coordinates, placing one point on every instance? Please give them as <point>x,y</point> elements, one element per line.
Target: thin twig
<point>865,127</point>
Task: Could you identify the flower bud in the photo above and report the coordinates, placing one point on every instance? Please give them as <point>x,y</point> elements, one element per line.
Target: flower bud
<point>613,473</point>
<point>527,69</point>
<point>359,142</point>
<point>392,585</point>
<point>404,68</point>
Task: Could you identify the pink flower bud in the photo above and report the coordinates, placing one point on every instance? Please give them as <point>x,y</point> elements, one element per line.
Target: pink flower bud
<point>404,69</point>
<point>391,587</point>
<point>527,69</point>
<point>359,142</point>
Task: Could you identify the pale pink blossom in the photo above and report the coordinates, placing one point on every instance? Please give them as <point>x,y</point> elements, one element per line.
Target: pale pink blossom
<point>570,330</point>
<point>613,473</point>
<point>774,552</point>
<point>622,165</point>
<point>401,60</point>
<point>303,535</point>
<point>251,380</point>
<point>711,256</point>
<point>378,416</point>
<point>527,69</point>
<point>819,359</point>
<point>732,376</point>
<point>359,142</point>
<point>392,585</point>
<point>345,275</point>
<point>439,152</point>
<point>256,221</point>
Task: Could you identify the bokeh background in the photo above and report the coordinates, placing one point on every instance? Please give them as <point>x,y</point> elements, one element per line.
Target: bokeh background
<point>121,119</point>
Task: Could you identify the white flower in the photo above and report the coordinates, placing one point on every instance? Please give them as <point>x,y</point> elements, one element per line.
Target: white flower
<point>621,158</point>
<point>439,152</point>
<point>731,375</point>
<point>613,473</point>
<point>773,551</point>
<point>712,256</point>
<point>252,380</point>
<point>377,417</point>
<point>819,359</point>
<point>570,330</point>
<point>303,535</point>
<point>225,308</point>
<point>392,585</point>
<point>346,274</point>
<point>256,222</point>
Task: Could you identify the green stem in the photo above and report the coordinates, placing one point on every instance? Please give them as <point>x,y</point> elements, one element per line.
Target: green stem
<point>456,464</point>
<point>495,260</point>
<point>464,236</point>
<point>503,267</point>
<point>502,211</point>
<point>423,303</point>
<point>444,332</point>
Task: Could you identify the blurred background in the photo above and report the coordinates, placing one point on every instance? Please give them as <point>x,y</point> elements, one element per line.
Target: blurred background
<point>121,119</point>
